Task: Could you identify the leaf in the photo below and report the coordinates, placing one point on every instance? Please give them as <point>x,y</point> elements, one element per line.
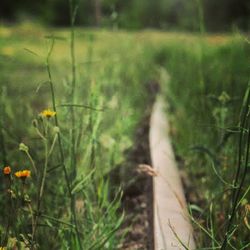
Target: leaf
<point>194,207</point>
<point>207,151</point>
<point>32,52</point>
<point>40,85</point>
<point>80,183</point>
<point>48,223</point>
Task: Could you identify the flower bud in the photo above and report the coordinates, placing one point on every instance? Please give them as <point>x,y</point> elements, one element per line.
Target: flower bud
<point>56,130</point>
<point>23,147</point>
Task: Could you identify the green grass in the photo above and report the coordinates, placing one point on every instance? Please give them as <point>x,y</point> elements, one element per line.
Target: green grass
<point>207,82</point>
<point>204,81</point>
<point>111,72</point>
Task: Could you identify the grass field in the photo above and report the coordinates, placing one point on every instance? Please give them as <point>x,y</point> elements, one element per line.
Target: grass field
<point>209,114</point>
<point>109,99</point>
<point>100,96</point>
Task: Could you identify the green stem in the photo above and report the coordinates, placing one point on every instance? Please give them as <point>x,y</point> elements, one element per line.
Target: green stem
<point>41,188</point>
<point>243,117</point>
<point>32,162</point>
<point>53,144</point>
<point>2,139</point>
<point>73,11</point>
<point>201,17</point>
<point>62,158</point>
<point>56,119</point>
<point>237,191</point>
<point>9,207</point>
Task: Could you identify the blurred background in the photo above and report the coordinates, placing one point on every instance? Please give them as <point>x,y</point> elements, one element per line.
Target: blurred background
<point>218,15</point>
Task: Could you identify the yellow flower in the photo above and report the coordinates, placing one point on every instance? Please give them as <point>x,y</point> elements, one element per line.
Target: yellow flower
<point>6,171</point>
<point>23,174</point>
<point>48,113</point>
<point>3,248</point>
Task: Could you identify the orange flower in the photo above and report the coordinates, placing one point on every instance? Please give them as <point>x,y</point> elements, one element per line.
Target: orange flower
<point>7,170</point>
<point>23,174</point>
<point>48,113</point>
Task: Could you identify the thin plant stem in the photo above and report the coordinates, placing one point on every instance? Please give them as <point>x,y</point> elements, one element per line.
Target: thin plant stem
<point>243,117</point>
<point>2,139</point>
<point>9,202</point>
<point>201,17</point>
<point>53,144</point>
<point>53,99</point>
<point>61,153</point>
<point>89,70</point>
<point>237,191</point>
<point>73,11</point>
<point>41,188</point>
<point>31,161</point>
<point>212,224</point>
<point>201,48</point>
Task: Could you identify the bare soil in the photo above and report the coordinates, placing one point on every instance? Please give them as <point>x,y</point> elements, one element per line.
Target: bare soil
<point>137,229</point>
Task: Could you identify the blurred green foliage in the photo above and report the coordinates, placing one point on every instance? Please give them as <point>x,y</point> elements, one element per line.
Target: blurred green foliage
<point>134,14</point>
<point>204,83</point>
<point>110,82</point>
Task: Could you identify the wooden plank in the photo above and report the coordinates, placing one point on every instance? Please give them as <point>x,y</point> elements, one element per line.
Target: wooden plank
<point>171,221</point>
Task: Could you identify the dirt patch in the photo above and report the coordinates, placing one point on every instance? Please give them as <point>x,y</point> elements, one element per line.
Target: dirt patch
<point>138,193</point>
<point>137,199</point>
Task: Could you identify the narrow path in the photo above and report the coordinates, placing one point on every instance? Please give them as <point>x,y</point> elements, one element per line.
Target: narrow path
<point>172,229</point>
